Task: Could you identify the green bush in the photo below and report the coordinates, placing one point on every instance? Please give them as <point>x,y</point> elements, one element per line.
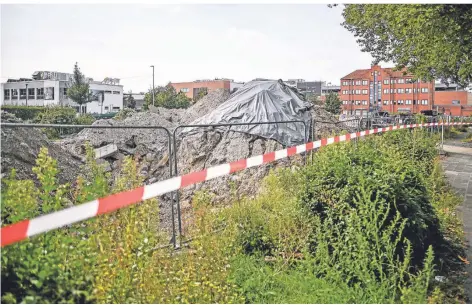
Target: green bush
<point>84,119</point>
<point>395,167</point>
<point>25,113</point>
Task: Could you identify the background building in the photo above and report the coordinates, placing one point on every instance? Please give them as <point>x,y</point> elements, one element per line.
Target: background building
<point>308,89</point>
<point>327,89</point>
<point>384,89</point>
<point>396,91</point>
<point>138,98</point>
<point>191,89</point>
<point>50,89</point>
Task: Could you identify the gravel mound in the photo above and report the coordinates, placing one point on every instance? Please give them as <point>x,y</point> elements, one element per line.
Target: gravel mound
<point>20,148</point>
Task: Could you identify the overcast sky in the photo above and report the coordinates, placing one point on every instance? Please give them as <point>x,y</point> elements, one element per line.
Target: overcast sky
<point>184,42</point>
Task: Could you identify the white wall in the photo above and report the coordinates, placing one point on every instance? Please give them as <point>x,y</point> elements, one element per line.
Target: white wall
<point>111,101</point>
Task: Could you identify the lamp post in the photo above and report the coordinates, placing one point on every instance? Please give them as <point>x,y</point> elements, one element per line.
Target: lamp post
<point>153,85</point>
<point>26,94</point>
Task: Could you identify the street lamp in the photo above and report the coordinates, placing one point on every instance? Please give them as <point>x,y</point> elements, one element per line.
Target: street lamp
<point>26,94</point>
<point>153,85</point>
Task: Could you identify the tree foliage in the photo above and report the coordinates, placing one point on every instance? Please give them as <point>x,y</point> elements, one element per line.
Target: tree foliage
<point>166,97</point>
<point>130,102</point>
<point>201,94</point>
<point>333,103</point>
<point>79,90</point>
<point>431,41</point>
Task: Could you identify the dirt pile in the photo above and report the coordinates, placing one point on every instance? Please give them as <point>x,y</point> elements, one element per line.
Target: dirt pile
<point>195,151</point>
<point>20,148</point>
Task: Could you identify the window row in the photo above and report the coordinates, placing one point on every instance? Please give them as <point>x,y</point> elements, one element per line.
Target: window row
<point>406,90</point>
<point>109,92</point>
<point>355,102</point>
<point>41,93</point>
<point>385,81</point>
<point>358,91</point>
<point>355,83</point>
<point>405,102</point>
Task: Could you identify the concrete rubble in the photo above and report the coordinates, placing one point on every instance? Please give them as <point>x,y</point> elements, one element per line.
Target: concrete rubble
<point>20,148</point>
<point>195,152</point>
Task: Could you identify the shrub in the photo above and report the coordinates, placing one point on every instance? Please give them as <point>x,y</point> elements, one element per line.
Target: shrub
<point>25,113</point>
<point>52,267</point>
<point>124,113</point>
<point>84,119</point>
<point>395,167</point>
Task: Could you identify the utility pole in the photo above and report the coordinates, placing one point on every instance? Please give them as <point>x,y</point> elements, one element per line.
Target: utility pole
<point>153,86</point>
<point>26,94</point>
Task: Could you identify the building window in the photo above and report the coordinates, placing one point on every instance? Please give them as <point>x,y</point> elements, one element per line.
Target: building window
<point>408,90</point>
<point>424,102</point>
<point>64,91</point>
<point>385,102</point>
<point>358,91</point>
<point>400,90</point>
<point>386,81</point>
<point>385,91</point>
<point>393,90</point>
<point>364,82</point>
<point>49,93</point>
<point>40,93</point>
<point>106,108</point>
<point>107,92</point>
<point>358,102</point>
<point>408,81</point>
<point>116,108</point>
<point>31,93</point>
<point>6,94</point>
<point>400,81</point>
<point>364,102</point>
<point>116,92</point>
<point>364,91</point>
<point>407,102</point>
<point>424,90</point>
<point>185,90</point>
<point>393,81</point>
<point>358,82</point>
<point>22,94</point>
<point>456,102</point>
<point>400,102</point>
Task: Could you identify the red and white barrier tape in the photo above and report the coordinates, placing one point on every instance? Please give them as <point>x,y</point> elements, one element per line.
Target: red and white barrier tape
<point>22,230</point>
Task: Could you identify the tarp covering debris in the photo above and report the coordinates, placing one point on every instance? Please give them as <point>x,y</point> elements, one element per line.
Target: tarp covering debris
<point>263,101</point>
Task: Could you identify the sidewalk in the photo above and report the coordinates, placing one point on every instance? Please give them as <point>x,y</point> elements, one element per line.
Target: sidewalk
<point>458,169</point>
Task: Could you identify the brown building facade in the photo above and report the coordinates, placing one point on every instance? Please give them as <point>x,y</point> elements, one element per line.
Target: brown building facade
<point>384,89</point>
<point>191,89</point>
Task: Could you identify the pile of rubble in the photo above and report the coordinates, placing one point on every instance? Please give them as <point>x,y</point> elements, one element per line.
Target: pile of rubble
<point>20,148</point>
<point>150,147</point>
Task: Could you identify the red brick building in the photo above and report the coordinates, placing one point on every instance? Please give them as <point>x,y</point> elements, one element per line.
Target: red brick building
<point>191,89</point>
<point>385,89</point>
<point>456,103</point>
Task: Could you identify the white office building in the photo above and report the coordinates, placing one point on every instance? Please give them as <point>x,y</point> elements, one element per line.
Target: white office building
<point>50,89</point>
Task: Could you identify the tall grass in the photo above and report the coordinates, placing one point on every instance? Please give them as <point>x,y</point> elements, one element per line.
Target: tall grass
<point>370,222</point>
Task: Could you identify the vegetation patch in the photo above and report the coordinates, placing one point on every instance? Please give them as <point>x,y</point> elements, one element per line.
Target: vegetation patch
<point>371,221</point>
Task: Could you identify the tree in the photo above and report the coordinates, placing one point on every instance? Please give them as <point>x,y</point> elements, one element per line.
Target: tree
<point>432,41</point>
<point>79,89</point>
<point>201,93</point>
<point>166,97</point>
<point>129,101</point>
<point>333,103</point>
